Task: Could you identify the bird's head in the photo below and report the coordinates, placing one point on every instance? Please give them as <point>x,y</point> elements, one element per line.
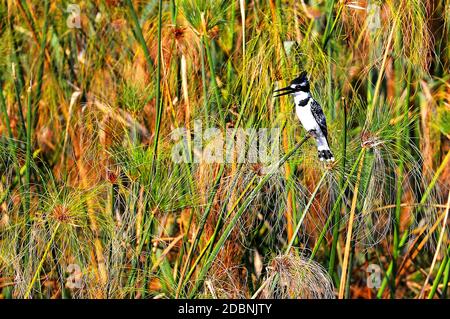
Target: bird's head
<point>299,84</point>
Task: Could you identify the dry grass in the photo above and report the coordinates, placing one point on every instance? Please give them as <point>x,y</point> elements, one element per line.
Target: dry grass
<point>89,193</point>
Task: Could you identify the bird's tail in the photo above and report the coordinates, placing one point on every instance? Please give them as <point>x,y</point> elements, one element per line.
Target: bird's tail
<point>326,155</point>
<point>323,149</point>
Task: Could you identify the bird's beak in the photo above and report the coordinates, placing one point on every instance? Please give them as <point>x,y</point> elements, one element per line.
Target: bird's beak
<point>284,91</point>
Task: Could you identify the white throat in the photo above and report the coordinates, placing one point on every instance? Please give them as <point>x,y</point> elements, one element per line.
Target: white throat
<point>301,96</point>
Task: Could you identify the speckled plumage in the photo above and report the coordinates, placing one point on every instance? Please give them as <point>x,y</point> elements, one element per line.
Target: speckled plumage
<point>310,114</point>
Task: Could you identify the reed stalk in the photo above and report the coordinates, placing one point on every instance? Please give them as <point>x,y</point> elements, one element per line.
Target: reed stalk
<point>158,101</point>
<point>41,262</point>
<point>348,240</point>
<point>337,214</point>
<point>438,247</point>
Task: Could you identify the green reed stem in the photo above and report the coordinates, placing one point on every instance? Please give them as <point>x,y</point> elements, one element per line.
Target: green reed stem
<point>17,75</point>
<point>437,280</point>
<point>140,36</point>
<point>40,72</point>
<point>348,240</point>
<point>213,77</point>
<point>41,263</point>
<point>11,142</point>
<point>204,85</point>
<point>373,100</point>
<point>337,215</point>
<point>159,105</point>
<point>29,18</point>
<point>402,142</point>
<point>28,154</point>
<point>445,281</point>
<point>330,27</point>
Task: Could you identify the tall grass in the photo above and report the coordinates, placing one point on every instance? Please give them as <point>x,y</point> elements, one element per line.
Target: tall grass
<point>88,128</point>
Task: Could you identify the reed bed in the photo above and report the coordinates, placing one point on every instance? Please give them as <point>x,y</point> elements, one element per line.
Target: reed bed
<point>104,194</point>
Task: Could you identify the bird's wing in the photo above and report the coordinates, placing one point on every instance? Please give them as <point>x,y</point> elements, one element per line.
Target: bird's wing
<point>317,112</point>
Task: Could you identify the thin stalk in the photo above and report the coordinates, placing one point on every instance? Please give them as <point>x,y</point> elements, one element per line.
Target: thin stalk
<point>337,215</point>
<point>140,38</point>
<point>435,178</point>
<point>349,272</point>
<point>159,105</point>
<point>18,70</point>
<point>134,263</point>
<point>263,285</point>
<point>111,203</point>
<point>41,263</point>
<point>23,6</point>
<point>230,62</point>
<point>17,75</point>
<point>330,84</point>
<point>204,86</point>
<point>28,154</point>
<point>207,247</point>
<point>191,215</point>
<point>281,55</point>
<point>40,72</point>
<point>441,238</point>
<point>173,11</point>
<point>376,94</point>
<point>330,25</point>
<point>350,229</point>
<point>242,10</point>
<point>437,280</point>
<point>11,142</point>
<point>213,78</point>
<point>445,281</point>
<point>402,141</point>
<point>139,35</point>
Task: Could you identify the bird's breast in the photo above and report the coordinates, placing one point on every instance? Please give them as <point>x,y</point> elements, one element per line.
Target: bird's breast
<point>306,117</point>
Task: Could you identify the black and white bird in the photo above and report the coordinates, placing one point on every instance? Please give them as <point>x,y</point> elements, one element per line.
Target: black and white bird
<point>310,114</point>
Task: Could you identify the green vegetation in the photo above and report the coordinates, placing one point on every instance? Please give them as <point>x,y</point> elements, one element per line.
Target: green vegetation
<point>93,204</point>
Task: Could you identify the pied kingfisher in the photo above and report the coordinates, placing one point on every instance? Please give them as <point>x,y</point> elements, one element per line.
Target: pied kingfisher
<point>310,114</point>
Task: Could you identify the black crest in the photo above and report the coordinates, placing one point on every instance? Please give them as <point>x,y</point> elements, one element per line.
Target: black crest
<point>301,78</point>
